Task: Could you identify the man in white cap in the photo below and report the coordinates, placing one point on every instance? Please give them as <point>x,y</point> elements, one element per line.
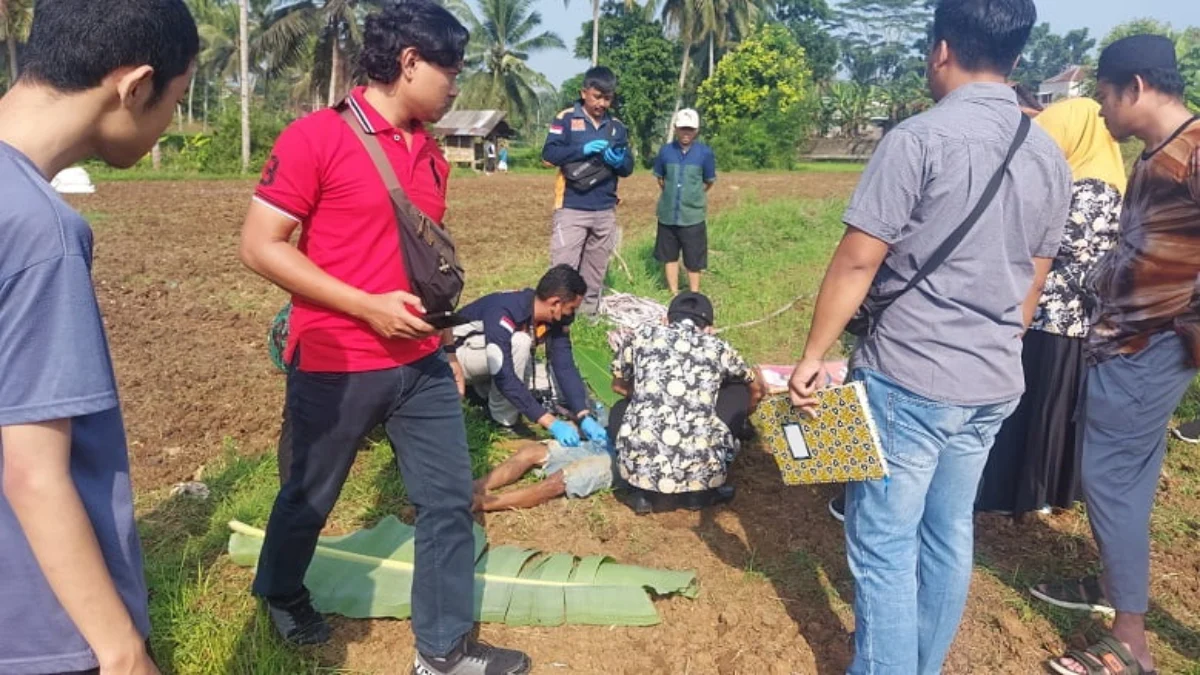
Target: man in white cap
<point>686,170</point>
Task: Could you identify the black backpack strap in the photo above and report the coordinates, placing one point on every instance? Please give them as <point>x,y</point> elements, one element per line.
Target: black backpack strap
<point>956,237</point>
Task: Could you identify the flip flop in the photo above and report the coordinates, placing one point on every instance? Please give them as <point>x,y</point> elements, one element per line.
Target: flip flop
<point>1108,656</point>
<point>1084,595</point>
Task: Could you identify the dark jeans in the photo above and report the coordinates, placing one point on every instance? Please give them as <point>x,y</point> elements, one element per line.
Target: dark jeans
<point>418,405</point>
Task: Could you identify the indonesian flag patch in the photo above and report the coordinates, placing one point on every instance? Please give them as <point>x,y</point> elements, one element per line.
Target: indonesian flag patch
<point>507,324</point>
<point>556,129</point>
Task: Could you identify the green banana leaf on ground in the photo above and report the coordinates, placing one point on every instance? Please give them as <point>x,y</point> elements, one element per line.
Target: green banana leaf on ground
<point>595,366</point>
<point>368,574</point>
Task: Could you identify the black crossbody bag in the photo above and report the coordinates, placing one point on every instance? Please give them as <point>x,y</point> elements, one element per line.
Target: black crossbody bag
<point>866,319</point>
<point>430,259</point>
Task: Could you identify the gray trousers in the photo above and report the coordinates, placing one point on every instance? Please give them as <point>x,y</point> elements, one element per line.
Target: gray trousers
<point>585,240</point>
<point>1128,402</point>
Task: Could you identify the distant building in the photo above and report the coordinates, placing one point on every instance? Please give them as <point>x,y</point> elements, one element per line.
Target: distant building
<point>1067,84</point>
<point>464,133</point>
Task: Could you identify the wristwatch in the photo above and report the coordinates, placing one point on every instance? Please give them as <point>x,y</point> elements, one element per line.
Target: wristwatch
<point>450,348</point>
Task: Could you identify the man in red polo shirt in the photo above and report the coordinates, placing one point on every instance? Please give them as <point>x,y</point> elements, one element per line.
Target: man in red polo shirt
<point>360,354</point>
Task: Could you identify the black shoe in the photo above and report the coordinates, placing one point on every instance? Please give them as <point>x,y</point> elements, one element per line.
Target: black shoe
<point>695,501</point>
<point>1188,432</point>
<point>472,657</point>
<point>637,500</point>
<point>297,622</point>
<point>837,508</point>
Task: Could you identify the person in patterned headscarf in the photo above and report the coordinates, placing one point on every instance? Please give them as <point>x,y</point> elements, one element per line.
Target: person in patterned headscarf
<point>1034,464</point>
<point>688,395</point>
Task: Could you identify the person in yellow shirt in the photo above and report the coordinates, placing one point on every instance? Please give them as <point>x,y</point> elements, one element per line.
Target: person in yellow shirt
<point>1034,465</point>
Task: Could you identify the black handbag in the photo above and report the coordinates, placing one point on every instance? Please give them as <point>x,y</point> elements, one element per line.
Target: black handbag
<point>866,319</point>
<point>434,273</point>
<point>586,174</point>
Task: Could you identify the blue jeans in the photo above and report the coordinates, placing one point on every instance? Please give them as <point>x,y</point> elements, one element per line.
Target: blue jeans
<point>418,405</point>
<point>910,538</point>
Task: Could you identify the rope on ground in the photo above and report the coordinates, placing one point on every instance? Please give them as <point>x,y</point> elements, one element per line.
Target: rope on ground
<point>772,315</point>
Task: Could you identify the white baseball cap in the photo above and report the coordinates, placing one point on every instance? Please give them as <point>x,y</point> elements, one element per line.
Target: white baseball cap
<point>687,119</point>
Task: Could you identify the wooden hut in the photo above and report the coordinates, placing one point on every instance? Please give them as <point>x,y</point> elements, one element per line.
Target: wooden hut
<point>464,133</point>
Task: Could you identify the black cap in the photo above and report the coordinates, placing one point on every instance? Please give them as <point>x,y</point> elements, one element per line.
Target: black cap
<point>694,306</point>
<point>1135,55</point>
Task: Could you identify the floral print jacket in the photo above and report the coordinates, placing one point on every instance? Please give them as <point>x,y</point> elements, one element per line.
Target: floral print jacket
<point>671,439</point>
<point>1092,227</point>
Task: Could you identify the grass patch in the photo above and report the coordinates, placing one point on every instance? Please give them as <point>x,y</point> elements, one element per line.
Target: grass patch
<point>761,257</point>
<point>205,620</point>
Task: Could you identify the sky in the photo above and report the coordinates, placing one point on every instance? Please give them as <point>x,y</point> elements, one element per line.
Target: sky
<point>1099,16</point>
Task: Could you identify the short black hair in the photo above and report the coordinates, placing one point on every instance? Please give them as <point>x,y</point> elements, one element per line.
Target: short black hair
<point>600,78</point>
<point>985,35</point>
<point>1166,81</point>
<point>423,25</point>
<point>74,44</point>
<point>563,282</point>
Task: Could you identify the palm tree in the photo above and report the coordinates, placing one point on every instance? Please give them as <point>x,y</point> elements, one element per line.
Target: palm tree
<point>690,20</point>
<point>729,21</point>
<point>503,36</point>
<point>15,19</point>
<point>244,77</point>
<point>338,27</point>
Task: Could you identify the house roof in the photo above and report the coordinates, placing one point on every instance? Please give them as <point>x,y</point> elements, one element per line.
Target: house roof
<point>478,123</point>
<point>1071,74</point>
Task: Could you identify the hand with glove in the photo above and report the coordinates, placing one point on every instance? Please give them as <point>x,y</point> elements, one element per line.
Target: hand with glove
<point>614,157</point>
<point>593,430</point>
<point>594,147</point>
<point>565,433</point>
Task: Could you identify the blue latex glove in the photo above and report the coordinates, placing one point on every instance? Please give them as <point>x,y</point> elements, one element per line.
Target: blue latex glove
<point>614,158</point>
<point>593,430</point>
<point>565,433</point>
<point>594,147</point>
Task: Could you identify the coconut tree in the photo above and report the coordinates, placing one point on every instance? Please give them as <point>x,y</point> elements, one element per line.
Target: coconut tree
<point>503,35</point>
<point>15,19</point>
<point>244,77</point>
<point>690,21</point>
<point>337,24</point>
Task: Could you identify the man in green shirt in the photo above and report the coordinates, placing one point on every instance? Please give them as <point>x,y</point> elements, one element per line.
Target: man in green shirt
<point>686,170</point>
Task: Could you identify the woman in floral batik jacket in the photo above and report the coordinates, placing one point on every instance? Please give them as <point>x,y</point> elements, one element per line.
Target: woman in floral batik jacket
<point>1034,464</point>
<point>688,396</point>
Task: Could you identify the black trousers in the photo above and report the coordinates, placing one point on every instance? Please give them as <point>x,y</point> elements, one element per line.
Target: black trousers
<point>328,415</point>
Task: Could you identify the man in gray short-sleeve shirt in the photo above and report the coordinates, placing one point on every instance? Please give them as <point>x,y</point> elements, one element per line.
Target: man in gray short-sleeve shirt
<point>103,79</point>
<point>943,368</point>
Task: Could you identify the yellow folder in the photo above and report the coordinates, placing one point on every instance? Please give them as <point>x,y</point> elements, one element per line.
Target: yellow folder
<point>840,446</point>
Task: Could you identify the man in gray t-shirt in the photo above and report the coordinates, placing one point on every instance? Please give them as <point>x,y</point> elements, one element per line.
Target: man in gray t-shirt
<point>72,592</point>
<point>942,369</point>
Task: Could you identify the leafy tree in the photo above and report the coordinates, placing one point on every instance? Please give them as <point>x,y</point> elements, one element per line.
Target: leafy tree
<point>1047,54</point>
<point>757,104</point>
<point>1142,26</point>
<point>644,62</point>
<point>1187,48</point>
<point>810,22</point>
<point>881,40</point>
<point>503,36</point>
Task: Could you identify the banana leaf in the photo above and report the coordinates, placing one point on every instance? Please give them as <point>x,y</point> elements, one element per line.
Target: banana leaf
<point>595,365</point>
<point>368,574</point>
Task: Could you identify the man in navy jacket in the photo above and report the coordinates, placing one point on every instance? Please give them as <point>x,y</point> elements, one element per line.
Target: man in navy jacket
<point>496,352</point>
<point>585,215</point>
